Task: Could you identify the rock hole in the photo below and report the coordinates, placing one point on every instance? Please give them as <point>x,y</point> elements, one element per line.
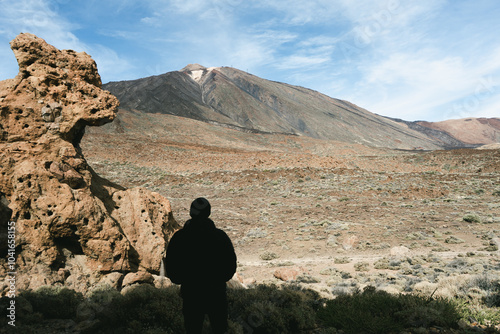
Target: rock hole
<point>27,215</point>
<point>50,213</point>
<point>70,243</point>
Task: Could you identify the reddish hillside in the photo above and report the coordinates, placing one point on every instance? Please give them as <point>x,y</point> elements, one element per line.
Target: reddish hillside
<point>469,130</point>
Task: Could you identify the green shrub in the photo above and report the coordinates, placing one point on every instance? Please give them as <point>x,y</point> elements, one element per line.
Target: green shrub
<point>53,302</point>
<point>477,313</point>
<point>362,266</point>
<point>263,309</point>
<point>269,309</point>
<point>144,308</point>
<point>472,219</point>
<point>373,311</point>
<point>342,260</point>
<point>489,285</point>
<point>268,256</point>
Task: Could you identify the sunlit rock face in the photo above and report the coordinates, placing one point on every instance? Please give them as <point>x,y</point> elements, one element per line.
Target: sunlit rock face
<point>72,226</point>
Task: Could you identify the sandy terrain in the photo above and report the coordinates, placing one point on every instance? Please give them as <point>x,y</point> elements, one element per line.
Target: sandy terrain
<point>331,212</point>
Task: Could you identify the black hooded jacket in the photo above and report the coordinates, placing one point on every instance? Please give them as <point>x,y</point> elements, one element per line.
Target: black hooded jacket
<point>200,256</point>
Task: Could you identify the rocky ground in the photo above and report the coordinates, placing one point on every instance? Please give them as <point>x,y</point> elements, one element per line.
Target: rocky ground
<point>331,216</point>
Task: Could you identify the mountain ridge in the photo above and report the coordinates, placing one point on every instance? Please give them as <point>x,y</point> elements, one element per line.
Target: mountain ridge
<point>236,99</point>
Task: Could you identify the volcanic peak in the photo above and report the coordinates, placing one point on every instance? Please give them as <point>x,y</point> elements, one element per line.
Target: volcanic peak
<point>197,72</point>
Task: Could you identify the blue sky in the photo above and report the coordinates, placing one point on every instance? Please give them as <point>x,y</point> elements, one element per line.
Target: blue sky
<point>416,60</point>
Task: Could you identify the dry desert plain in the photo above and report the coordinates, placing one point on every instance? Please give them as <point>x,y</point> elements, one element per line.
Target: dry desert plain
<point>331,216</point>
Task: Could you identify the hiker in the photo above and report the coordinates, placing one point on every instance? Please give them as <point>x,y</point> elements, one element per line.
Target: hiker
<point>201,258</point>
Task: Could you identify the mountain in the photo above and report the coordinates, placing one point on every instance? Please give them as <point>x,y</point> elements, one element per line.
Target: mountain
<point>459,133</point>
<point>469,130</point>
<point>441,137</point>
<point>236,99</point>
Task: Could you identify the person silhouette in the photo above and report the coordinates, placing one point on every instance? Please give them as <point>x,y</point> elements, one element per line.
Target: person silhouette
<point>201,258</point>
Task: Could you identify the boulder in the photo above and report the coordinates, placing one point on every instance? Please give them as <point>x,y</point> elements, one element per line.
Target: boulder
<point>331,241</point>
<point>234,283</point>
<point>138,277</point>
<point>287,274</point>
<point>495,244</point>
<point>399,251</point>
<point>62,209</point>
<point>113,280</point>
<point>161,281</point>
<point>350,242</point>
<point>239,281</point>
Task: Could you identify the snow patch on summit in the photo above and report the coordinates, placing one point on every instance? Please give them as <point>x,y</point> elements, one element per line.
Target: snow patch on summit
<point>198,74</point>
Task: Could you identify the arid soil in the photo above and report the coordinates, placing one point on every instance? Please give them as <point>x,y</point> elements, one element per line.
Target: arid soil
<point>327,214</point>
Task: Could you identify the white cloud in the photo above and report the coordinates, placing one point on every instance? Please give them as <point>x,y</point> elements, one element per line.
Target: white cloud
<point>398,58</point>
<point>423,84</point>
<point>406,62</point>
<point>488,108</point>
<point>301,61</point>
<point>109,64</point>
<point>416,70</point>
<point>299,13</point>
<point>36,17</point>
<point>39,17</point>
<point>190,6</point>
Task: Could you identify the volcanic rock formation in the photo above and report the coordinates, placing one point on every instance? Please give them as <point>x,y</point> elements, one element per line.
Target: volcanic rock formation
<point>72,227</point>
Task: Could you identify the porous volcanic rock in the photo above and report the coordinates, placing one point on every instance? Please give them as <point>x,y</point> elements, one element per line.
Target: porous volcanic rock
<point>72,226</point>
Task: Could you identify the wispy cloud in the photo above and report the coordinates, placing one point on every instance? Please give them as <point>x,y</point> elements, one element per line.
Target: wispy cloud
<point>405,68</point>
<point>414,60</point>
<point>40,17</point>
<point>37,17</point>
<point>33,16</point>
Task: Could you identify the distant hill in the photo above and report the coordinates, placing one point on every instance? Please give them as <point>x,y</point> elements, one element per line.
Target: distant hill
<point>469,130</point>
<point>444,139</point>
<point>236,99</point>
<point>459,133</point>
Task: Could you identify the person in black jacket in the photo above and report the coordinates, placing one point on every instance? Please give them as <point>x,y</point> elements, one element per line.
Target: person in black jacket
<point>201,258</point>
